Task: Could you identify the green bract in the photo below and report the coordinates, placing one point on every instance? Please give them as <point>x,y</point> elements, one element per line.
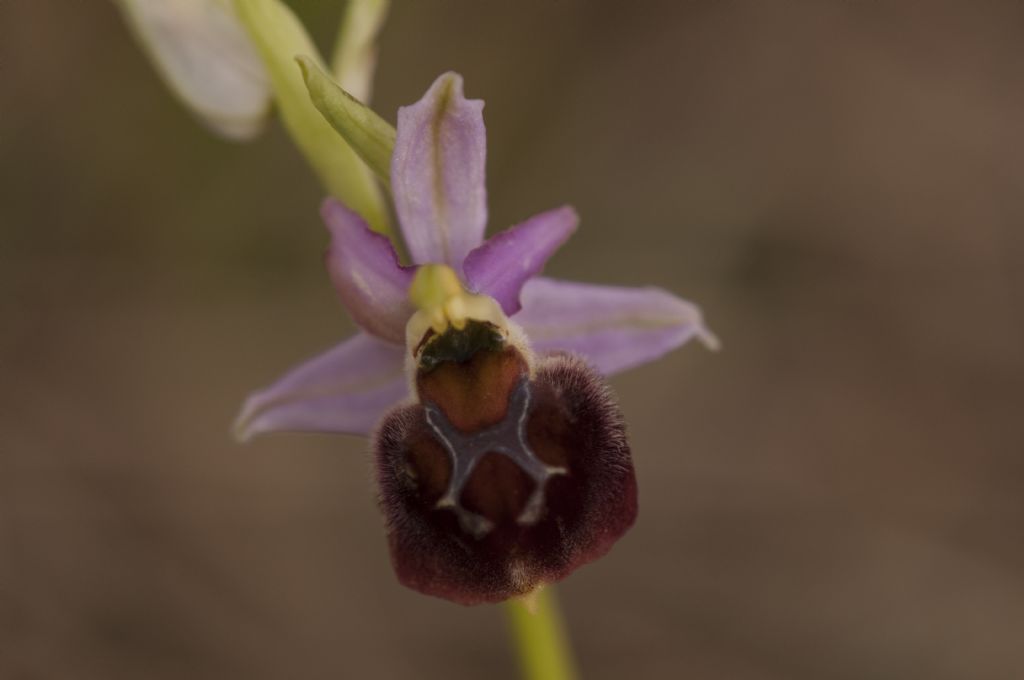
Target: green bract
<point>368,134</point>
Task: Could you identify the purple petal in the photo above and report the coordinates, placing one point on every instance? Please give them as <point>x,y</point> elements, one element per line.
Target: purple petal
<point>365,271</point>
<point>437,174</point>
<point>346,389</point>
<point>614,328</point>
<point>507,260</point>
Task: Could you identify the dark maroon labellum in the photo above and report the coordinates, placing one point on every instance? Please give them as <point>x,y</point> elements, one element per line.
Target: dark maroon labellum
<point>496,482</point>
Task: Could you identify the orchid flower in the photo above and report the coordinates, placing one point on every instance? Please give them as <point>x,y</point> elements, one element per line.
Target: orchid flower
<point>501,455</point>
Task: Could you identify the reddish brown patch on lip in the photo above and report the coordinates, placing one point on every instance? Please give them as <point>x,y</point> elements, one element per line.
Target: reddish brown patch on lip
<point>548,431</point>
<point>497,490</point>
<point>427,468</point>
<point>473,394</point>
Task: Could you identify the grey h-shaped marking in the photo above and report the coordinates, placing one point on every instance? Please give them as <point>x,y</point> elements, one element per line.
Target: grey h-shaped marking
<point>507,438</point>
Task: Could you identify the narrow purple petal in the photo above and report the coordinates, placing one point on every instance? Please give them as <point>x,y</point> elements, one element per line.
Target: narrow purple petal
<point>614,328</point>
<point>365,271</point>
<point>346,389</point>
<point>437,174</point>
<point>507,260</point>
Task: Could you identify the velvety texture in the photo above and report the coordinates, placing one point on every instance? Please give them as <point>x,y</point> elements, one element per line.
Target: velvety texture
<point>572,424</point>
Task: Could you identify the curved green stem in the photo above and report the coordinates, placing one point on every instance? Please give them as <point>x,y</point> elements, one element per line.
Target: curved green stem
<point>279,37</point>
<point>539,632</point>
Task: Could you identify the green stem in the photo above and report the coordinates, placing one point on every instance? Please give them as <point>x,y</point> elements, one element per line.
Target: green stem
<point>540,637</point>
<point>279,37</point>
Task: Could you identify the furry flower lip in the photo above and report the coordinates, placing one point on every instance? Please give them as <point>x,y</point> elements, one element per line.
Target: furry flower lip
<point>501,455</point>
<point>511,469</point>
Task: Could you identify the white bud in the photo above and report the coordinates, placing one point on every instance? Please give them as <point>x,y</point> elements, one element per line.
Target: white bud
<point>207,58</point>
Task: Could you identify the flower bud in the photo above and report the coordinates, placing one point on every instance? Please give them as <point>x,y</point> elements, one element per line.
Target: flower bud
<point>203,52</point>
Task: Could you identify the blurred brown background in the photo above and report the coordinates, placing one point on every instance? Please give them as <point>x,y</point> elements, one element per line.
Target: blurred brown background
<point>838,494</point>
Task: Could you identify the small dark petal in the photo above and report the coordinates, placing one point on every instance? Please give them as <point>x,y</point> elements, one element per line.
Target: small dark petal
<point>493,543</point>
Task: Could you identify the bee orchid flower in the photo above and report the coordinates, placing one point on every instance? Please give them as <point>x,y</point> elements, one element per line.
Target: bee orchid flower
<point>501,455</point>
